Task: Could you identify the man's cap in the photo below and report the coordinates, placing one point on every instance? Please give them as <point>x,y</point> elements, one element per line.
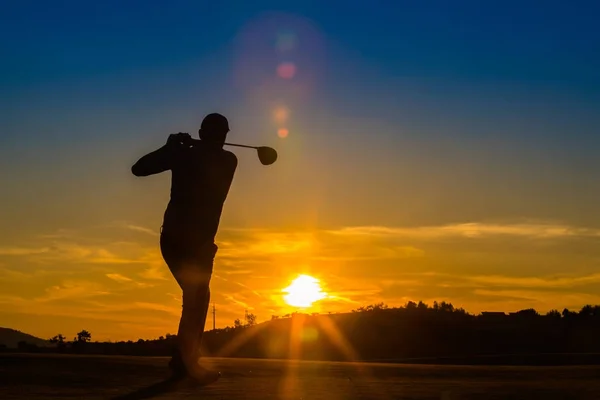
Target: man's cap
<point>215,122</point>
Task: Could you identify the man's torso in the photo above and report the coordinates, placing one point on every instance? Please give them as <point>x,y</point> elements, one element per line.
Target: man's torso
<point>200,182</point>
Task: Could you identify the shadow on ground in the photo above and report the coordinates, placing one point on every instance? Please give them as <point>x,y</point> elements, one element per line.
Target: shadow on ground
<point>35,377</point>
<point>147,392</point>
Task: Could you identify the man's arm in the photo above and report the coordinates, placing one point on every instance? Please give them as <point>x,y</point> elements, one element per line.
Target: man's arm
<point>154,163</point>
<point>159,160</point>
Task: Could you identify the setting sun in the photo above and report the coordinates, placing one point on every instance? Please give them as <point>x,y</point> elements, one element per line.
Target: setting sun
<point>303,292</point>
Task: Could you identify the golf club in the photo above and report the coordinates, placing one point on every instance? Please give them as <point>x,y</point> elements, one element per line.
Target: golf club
<point>266,155</point>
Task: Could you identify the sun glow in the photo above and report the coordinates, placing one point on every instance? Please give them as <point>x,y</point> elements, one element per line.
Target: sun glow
<point>303,292</point>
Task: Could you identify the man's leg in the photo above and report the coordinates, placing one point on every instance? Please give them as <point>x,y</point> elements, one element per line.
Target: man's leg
<point>193,315</point>
<point>171,251</point>
<point>193,273</point>
<point>205,260</point>
<point>204,305</point>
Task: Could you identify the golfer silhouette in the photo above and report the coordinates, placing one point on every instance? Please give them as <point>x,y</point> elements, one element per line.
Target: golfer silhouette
<point>201,176</point>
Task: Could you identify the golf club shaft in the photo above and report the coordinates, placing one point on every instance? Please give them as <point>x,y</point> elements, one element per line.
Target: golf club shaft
<point>233,144</point>
<point>240,145</point>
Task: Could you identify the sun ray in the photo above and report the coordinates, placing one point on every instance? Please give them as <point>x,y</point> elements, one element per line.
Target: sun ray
<point>289,383</point>
<point>339,341</point>
<point>239,340</point>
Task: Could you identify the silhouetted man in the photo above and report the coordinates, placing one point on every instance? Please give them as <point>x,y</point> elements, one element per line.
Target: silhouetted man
<point>202,173</point>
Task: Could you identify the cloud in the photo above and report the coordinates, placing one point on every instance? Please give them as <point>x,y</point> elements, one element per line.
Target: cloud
<point>158,307</point>
<point>73,289</point>
<point>11,300</point>
<point>154,272</point>
<point>119,278</point>
<point>22,251</point>
<point>535,282</point>
<point>103,273</point>
<point>541,300</point>
<point>240,248</point>
<point>232,299</point>
<point>260,243</point>
<point>472,230</point>
<point>128,281</point>
<point>70,252</point>
<point>142,229</point>
<point>238,272</point>
<point>102,256</point>
<point>16,275</point>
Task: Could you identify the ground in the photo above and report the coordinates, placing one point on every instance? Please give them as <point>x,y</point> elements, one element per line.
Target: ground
<point>34,377</point>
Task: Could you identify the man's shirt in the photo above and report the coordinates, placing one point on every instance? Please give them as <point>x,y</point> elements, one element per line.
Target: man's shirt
<point>201,177</point>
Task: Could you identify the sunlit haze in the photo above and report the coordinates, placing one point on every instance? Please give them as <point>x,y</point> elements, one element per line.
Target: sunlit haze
<point>303,292</point>
<point>434,151</point>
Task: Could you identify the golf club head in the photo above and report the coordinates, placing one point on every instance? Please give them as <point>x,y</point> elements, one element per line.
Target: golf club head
<point>266,155</point>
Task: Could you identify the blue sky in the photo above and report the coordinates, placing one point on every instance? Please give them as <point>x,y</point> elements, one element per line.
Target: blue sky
<point>401,115</point>
<point>488,95</point>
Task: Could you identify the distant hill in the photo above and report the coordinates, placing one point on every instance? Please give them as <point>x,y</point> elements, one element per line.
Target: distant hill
<point>11,338</point>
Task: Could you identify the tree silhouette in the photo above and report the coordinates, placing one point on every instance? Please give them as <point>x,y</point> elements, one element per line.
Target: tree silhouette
<point>529,312</point>
<point>250,319</point>
<point>83,337</point>
<point>59,341</point>
<point>446,307</point>
<point>378,332</point>
<point>589,311</point>
<point>372,307</point>
<point>553,314</point>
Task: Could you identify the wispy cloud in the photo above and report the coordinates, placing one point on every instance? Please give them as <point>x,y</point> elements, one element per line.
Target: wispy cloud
<point>238,272</point>
<point>535,282</point>
<point>142,229</point>
<point>521,298</point>
<point>154,272</point>
<point>232,299</point>
<point>73,289</point>
<point>119,278</point>
<point>111,273</point>
<point>58,234</point>
<point>127,281</point>
<point>473,230</point>
<point>22,251</point>
<point>70,252</point>
<point>158,307</point>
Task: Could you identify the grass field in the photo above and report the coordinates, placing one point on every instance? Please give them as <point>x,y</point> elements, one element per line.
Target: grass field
<point>106,377</point>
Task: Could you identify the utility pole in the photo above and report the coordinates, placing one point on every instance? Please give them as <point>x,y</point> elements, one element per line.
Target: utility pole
<point>214,317</point>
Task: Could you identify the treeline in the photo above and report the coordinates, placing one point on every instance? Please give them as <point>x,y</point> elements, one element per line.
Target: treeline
<point>379,332</point>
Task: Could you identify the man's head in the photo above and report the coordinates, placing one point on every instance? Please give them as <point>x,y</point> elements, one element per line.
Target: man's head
<point>214,129</point>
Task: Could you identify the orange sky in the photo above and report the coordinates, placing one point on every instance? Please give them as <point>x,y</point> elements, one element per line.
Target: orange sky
<point>111,280</point>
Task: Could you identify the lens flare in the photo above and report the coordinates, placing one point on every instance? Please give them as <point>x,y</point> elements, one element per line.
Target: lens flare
<point>285,41</point>
<point>281,114</point>
<point>282,133</point>
<point>286,70</point>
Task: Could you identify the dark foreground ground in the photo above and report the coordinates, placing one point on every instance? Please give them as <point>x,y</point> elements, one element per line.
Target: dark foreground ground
<point>105,377</point>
